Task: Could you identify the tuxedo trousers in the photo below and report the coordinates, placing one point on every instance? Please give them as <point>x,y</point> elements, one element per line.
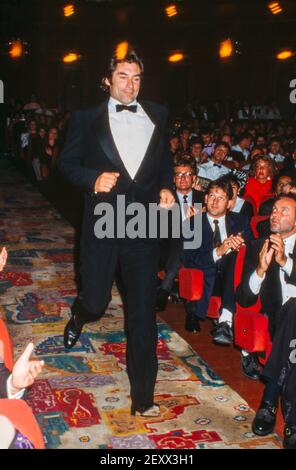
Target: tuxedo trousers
<point>281,363</point>
<point>136,260</point>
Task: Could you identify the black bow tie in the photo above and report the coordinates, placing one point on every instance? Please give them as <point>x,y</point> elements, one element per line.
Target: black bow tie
<point>121,107</point>
<point>216,164</point>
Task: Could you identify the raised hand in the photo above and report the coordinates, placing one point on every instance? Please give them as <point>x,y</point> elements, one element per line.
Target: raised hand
<point>25,371</point>
<point>3,258</point>
<point>265,257</point>
<point>167,198</point>
<point>279,249</point>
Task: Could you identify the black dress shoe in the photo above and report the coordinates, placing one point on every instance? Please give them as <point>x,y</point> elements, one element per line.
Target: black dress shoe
<point>223,334</point>
<point>192,323</point>
<point>72,332</point>
<point>289,437</point>
<point>250,367</point>
<point>146,411</point>
<point>161,300</point>
<point>265,419</point>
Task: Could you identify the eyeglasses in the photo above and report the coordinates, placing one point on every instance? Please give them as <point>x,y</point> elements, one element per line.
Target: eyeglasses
<point>186,174</point>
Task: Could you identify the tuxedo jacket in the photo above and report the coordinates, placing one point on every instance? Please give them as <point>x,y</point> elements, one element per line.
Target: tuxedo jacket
<point>270,292</point>
<point>4,374</point>
<point>90,150</point>
<point>202,257</point>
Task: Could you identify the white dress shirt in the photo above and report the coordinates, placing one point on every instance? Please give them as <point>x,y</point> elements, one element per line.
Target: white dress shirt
<point>238,205</point>
<point>288,290</point>
<point>278,158</point>
<point>8,389</point>
<point>222,230</point>
<point>131,132</point>
<point>181,201</point>
<point>212,171</point>
<point>226,315</point>
<point>245,152</point>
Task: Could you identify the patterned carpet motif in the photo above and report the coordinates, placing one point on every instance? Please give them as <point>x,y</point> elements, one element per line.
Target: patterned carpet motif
<point>82,398</point>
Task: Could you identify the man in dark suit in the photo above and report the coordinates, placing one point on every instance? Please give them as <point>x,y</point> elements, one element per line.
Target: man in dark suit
<point>186,197</point>
<point>24,372</point>
<point>223,233</point>
<point>269,271</point>
<point>120,150</point>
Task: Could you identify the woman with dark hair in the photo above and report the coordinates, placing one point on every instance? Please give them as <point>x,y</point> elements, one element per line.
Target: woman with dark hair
<point>50,153</point>
<point>237,204</point>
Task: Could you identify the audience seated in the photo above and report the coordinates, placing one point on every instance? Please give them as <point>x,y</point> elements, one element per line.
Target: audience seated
<point>269,271</point>
<point>259,184</point>
<point>282,183</point>
<point>214,168</point>
<point>237,204</point>
<point>223,233</point>
<point>186,197</point>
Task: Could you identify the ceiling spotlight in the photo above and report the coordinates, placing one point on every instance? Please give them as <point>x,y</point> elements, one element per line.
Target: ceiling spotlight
<point>176,57</point>
<point>226,49</point>
<point>171,10</point>
<point>286,54</point>
<point>17,48</point>
<point>121,50</point>
<point>71,57</point>
<point>69,10</point>
<point>275,7</point>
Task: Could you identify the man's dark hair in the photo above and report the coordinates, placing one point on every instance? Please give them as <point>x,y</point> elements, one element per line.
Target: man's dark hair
<point>206,130</point>
<point>223,144</point>
<point>244,135</point>
<point>195,140</point>
<point>231,178</point>
<point>184,159</point>
<point>221,183</point>
<point>285,196</point>
<point>131,58</point>
<point>277,178</point>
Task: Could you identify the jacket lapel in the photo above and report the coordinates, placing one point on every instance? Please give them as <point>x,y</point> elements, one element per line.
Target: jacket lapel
<point>103,132</point>
<point>102,129</point>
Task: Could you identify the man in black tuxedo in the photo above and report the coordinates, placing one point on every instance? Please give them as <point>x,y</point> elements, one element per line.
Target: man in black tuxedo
<point>186,197</point>
<point>270,271</point>
<point>223,233</point>
<point>120,149</point>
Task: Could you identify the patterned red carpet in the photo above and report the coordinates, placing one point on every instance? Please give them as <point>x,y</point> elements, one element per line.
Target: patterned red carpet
<point>82,398</point>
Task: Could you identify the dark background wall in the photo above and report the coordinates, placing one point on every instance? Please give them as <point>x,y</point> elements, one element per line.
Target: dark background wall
<point>99,25</point>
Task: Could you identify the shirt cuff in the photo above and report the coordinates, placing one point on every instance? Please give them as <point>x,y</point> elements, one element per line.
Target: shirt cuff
<point>287,268</point>
<point>255,283</point>
<point>215,256</point>
<point>11,395</point>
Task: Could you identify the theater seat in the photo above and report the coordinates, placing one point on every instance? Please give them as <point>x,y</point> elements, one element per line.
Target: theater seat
<point>21,416</point>
<point>255,221</point>
<point>7,345</point>
<point>249,198</point>
<point>191,286</point>
<point>250,326</point>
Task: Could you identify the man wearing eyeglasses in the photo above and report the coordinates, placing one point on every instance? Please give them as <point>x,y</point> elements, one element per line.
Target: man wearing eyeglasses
<point>186,197</point>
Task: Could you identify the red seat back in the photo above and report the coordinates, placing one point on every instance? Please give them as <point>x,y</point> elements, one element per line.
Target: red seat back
<point>21,416</point>
<point>248,197</point>
<point>255,221</point>
<point>238,271</point>
<point>190,283</point>
<point>250,326</point>
<point>7,345</point>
